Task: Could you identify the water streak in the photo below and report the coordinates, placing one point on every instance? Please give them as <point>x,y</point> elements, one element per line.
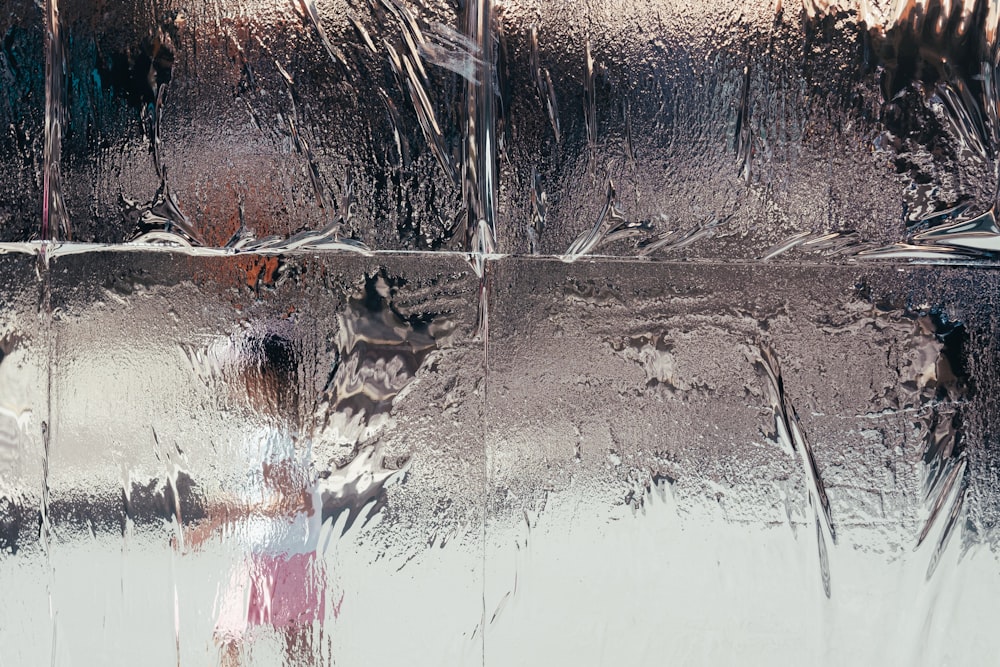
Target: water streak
<point>327,238</point>
<point>406,68</point>
<point>453,51</point>
<point>543,84</point>
<point>539,208</point>
<point>483,251</point>
<point>590,109</point>
<point>956,502</point>
<point>743,137</point>
<point>978,234</point>
<point>45,533</point>
<point>911,251</point>
<point>627,122</point>
<point>308,9</point>
<point>173,460</point>
<point>844,243</point>
<point>942,493</point>
<point>611,218</point>
<point>55,218</point>
<point>402,144</point>
<point>676,239</point>
<point>302,144</point>
<point>363,32</point>
<point>479,165</point>
<point>790,436</point>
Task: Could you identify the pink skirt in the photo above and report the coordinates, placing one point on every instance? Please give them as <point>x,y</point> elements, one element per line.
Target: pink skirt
<point>284,590</point>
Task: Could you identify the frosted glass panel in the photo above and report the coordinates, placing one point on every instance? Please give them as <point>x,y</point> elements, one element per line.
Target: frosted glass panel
<point>711,129</point>
<point>722,465</point>
<point>482,332</point>
<point>249,453</point>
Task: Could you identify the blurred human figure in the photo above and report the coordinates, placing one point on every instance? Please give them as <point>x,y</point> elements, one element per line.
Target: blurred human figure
<point>273,513</point>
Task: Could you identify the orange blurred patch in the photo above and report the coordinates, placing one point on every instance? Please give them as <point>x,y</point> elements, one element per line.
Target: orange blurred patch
<point>262,272</point>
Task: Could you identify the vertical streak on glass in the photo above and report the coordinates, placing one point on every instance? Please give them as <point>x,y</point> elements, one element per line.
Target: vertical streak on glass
<point>479,182</point>
<point>484,324</point>
<point>177,609</point>
<point>590,110</point>
<point>479,185</point>
<point>45,525</point>
<point>479,189</point>
<point>55,222</point>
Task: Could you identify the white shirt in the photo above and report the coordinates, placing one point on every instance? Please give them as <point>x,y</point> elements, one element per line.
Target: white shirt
<point>267,531</point>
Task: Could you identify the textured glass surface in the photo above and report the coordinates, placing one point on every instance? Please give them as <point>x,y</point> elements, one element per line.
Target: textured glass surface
<point>709,129</point>
<point>469,332</point>
<point>734,465</point>
<point>715,464</point>
<point>359,377</point>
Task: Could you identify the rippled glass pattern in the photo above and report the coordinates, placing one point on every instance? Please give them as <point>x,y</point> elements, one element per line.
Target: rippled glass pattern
<point>489,333</point>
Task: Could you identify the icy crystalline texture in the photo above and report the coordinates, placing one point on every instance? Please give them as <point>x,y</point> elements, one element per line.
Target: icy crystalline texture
<point>22,72</point>
<point>726,128</point>
<point>712,129</point>
<point>226,119</point>
<point>744,456</point>
<point>785,459</point>
<point>154,423</point>
<point>25,519</point>
<point>790,453</point>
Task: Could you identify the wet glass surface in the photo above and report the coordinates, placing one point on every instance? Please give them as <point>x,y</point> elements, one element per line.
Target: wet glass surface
<point>252,459</point>
<point>495,333</point>
<point>714,129</point>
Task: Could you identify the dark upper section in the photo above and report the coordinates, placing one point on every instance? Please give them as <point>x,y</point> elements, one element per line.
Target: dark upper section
<point>671,130</point>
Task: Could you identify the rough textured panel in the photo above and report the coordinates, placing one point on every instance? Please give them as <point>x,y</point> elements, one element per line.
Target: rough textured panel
<point>262,450</point>
<point>730,129</point>
<point>25,630</point>
<point>219,119</point>
<point>22,108</point>
<point>217,394</point>
<point>718,129</point>
<point>767,461</point>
